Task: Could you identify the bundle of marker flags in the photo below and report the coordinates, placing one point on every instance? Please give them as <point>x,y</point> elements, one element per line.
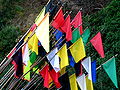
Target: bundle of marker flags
<point>62,55</point>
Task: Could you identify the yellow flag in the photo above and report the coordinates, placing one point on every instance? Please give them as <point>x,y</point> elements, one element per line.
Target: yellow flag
<point>77,50</point>
<point>73,83</point>
<point>32,42</point>
<point>62,53</point>
<point>40,17</point>
<point>89,84</point>
<point>26,69</point>
<point>63,71</point>
<point>42,32</point>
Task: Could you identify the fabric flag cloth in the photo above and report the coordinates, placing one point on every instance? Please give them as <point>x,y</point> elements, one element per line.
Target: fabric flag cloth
<point>86,35</point>
<point>58,20</point>
<point>78,68</point>
<point>93,67</point>
<point>89,84</point>
<point>46,76</point>
<point>77,21</point>
<point>62,53</point>
<point>75,35</point>
<point>58,36</point>
<point>25,54</point>
<point>77,50</point>
<point>64,81</point>
<point>87,65</point>
<point>82,82</point>
<point>110,69</point>
<point>54,59</point>
<point>97,43</point>
<point>32,42</point>
<point>33,27</point>
<point>40,17</point>
<point>42,32</point>
<point>17,62</point>
<point>66,27</point>
<point>71,61</point>
<point>55,77</point>
<point>73,83</point>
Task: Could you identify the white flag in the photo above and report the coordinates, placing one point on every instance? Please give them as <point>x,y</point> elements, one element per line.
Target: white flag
<point>54,59</point>
<point>87,65</point>
<point>82,82</point>
<point>25,54</point>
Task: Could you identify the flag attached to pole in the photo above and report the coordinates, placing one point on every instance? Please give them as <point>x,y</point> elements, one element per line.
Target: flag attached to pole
<point>93,67</point>
<point>77,21</point>
<point>110,69</point>
<point>97,43</point>
<point>62,53</point>
<point>42,32</point>
<point>77,50</point>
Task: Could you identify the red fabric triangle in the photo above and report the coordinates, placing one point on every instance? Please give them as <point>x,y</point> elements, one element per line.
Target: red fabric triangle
<point>58,20</point>
<point>77,21</point>
<point>97,43</point>
<point>46,76</point>
<point>66,27</point>
<point>55,77</point>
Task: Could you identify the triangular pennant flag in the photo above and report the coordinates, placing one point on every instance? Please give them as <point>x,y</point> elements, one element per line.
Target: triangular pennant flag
<point>86,35</point>
<point>78,68</point>
<point>77,50</point>
<point>93,66</point>
<point>97,43</point>
<point>110,68</point>
<point>46,76</point>
<point>58,20</point>
<point>71,61</point>
<point>66,27</point>
<point>17,62</point>
<point>77,21</point>
<point>89,84</point>
<point>73,83</point>
<point>42,32</point>
<point>62,53</point>
<point>55,77</point>
<point>40,17</point>
<point>25,54</point>
<point>82,82</point>
<point>75,35</point>
<point>54,59</point>
<point>87,65</point>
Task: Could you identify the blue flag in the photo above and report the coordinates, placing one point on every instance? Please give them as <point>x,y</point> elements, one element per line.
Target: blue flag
<point>93,66</point>
<point>71,60</point>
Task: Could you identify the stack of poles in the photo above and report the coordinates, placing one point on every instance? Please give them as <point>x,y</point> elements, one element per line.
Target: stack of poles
<point>10,73</point>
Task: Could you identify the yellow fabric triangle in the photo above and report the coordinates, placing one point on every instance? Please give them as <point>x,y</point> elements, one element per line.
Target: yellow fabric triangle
<point>32,42</point>
<point>40,17</point>
<point>89,84</point>
<point>26,69</point>
<point>63,71</point>
<point>42,32</point>
<point>62,53</point>
<point>77,50</point>
<point>73,83</point>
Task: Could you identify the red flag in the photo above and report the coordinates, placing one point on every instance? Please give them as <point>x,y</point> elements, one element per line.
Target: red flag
<point>77,21</point>
<point>46,76</point>
<point>66,27</point>
<point>55,77</point>
<point>97,43</point>
<point>58,20</point>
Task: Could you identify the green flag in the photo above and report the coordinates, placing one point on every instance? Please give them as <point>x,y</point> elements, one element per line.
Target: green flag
<point>110,69</point>
<point>75,35</point>
<point>86,35</point>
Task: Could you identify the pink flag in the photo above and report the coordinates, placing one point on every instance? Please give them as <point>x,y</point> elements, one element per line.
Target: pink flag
<point>66,27</point>
<point>77,21</point>
<point>97,43</point>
